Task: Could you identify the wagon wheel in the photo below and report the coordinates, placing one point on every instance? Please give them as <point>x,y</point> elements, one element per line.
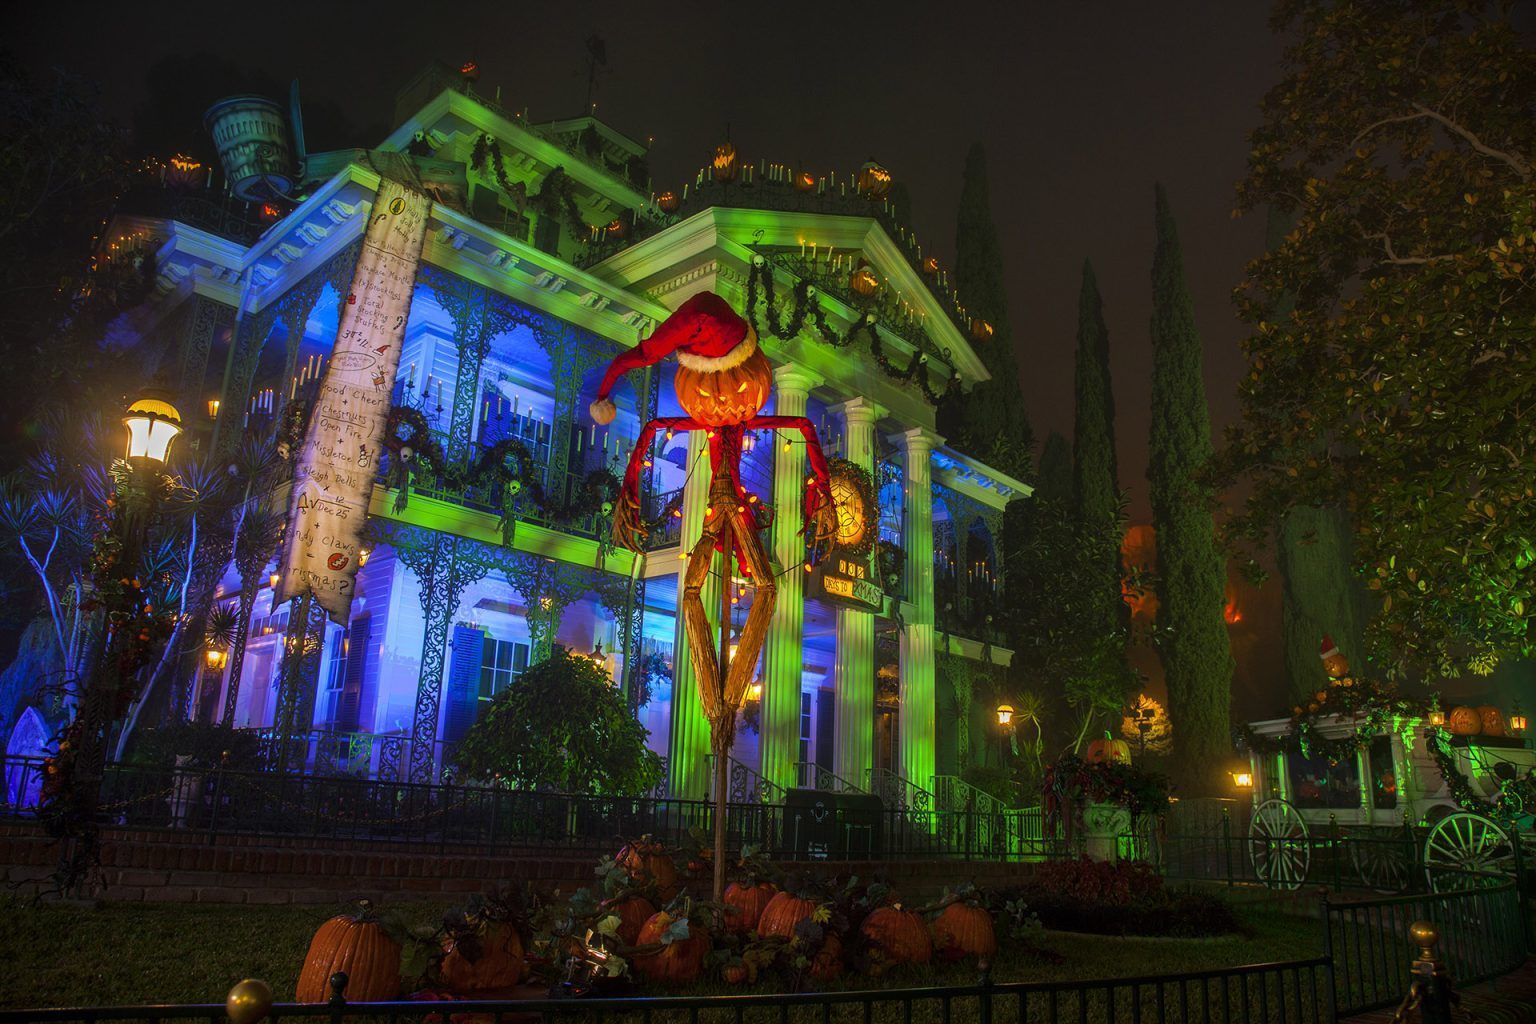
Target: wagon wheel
<point>1463,843</point>
<point>1380,859</point>
<point>1278,845</point>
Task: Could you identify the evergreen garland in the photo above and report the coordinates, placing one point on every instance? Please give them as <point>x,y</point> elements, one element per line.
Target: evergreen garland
<point>506,469</point>
<point>804,306</point>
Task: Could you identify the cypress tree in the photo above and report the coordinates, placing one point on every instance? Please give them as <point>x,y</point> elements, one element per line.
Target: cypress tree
<point>1192,636</point>
<point>1095,472</point>
<point>989,421</point>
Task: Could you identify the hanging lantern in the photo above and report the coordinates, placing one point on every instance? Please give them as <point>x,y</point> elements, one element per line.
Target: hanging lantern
<point>668,202</point>
<point>805,181</point>
<point>217,658</point>
<point>864,282</point>
<point>874,180</point>
<point>981,330</point>
<point>617,228</point>
<point>930,267</point>
<point>724,166</point>
<point>1517,720</point>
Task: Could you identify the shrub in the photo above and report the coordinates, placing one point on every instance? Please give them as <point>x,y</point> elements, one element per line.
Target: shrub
<point>208,746</point>
<point>1099,881</point>
<point>1128,898</point>
<point>561,726</point>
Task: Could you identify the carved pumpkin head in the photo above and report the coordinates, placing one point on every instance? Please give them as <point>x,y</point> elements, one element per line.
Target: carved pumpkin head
<point>732,394</point>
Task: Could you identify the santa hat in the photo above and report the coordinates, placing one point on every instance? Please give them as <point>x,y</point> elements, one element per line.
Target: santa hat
<point>1329,649</point>
<point>706,334</point>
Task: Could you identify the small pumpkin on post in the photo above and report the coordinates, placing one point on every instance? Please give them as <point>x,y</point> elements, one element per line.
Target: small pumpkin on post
<point>358,945</point>
<point>1108,749</point>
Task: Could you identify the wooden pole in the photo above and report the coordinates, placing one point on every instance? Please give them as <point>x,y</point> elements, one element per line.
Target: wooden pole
<point>722,746</point>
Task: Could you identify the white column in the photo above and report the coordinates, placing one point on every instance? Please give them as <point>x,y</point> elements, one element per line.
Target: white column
<point>784,654</point>
<point>854,663</point>
<point>688,742</point>
<point>917,746</point>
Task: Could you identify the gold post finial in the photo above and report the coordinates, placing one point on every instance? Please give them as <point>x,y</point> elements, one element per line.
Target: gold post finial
<point>249,1001</point>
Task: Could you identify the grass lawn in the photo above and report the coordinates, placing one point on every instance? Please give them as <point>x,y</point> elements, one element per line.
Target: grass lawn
<point>126,953</point>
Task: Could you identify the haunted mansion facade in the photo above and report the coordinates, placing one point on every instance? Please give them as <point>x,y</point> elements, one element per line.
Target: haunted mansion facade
<point>545,253</point>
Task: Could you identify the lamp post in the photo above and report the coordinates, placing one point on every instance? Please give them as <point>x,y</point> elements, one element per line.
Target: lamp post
<point>1005,713</point>
<point>153,424</point>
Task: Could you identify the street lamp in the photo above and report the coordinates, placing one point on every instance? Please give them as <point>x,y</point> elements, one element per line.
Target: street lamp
<point>1005,715</point>
<point>1242,778</point>
<point>153,424</point>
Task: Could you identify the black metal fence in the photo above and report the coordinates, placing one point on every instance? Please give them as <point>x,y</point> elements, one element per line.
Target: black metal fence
<point>1298,991</point>
<point>492,820</point>
<point>1481,930</point>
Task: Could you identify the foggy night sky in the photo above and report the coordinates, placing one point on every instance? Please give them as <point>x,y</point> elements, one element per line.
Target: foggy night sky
<point>1081,106</point>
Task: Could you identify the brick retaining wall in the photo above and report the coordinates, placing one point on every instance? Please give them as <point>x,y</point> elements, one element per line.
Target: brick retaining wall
<point>188,868</point>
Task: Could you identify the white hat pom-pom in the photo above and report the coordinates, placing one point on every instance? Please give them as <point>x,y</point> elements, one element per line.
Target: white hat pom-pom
<point>603,411</point>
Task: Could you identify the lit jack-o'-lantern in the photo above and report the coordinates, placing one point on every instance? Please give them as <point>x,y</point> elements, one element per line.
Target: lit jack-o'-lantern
<point>724,166</point>
<point>930,267</point>
<point>617,228</point>
<point>864,282</point>
<point>981,330</point>
<point>805,181</point>
<point>730,395</point>
<point>668,202</point>
<point>469,71</point>
<point>1334,662</point>
<point>183,172</point>
<point>874,181</point>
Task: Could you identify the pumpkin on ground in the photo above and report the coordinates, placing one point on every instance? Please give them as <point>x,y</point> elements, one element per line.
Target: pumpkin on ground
<point>749,902</point>
<point>647,861</point>
<point>782,914</point>
<point>734,974</point>
<point>827,964</point>
<point>491,958</point>
<point>358,945</point>
<point>900,934</point>
<point>632,912</point>
<point>680,961</point>
<point>964,929</point>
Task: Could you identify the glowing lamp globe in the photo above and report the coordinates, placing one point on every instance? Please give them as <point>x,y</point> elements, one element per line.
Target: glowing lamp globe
<point>1005,714</point>
<point>1517,721</point>
<point>153,424</point>
<point>1242,779</point>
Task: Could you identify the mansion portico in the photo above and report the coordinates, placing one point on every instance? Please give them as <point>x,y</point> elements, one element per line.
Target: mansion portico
<point>553,253</point>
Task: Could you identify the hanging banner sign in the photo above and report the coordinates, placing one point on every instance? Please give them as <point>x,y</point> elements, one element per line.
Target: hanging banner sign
<point>333,480</point>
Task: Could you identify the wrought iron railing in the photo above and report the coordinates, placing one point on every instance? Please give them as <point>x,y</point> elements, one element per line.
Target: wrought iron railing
<point>744,784</point>
<point>1297,991</point>
<point>810,775</point>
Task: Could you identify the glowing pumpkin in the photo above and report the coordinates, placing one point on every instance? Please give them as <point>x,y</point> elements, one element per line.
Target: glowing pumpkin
<point>1464,721</point>
<point>874,181</point>
<point>668,202</point>
<point>724,166</point>
<point>864,282</point>
<point>805,181</point>
<point>731,395</point>
<point>981,330</point>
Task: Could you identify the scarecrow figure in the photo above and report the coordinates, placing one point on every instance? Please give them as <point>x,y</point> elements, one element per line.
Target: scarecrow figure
<point>723,381</point>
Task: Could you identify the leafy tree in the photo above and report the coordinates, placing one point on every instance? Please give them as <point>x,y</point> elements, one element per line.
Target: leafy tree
<point>1393,326</point>
<point>988,422</point>
<point>1191,633</point>
<point>561,726</point>
<point>1062,643</point>
<point>1096,494</point>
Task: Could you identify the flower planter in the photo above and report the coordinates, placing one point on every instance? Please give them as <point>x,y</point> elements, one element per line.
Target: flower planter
<point>1103,825</point>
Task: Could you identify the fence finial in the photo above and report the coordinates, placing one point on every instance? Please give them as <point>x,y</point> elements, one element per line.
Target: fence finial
<point>248,1001</point>
<point>1431,981</point>
<point>338,989</point>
